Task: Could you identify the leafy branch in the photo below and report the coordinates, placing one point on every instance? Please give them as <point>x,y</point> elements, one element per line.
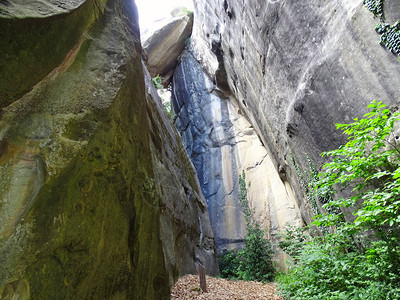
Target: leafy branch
<point>369,164</point>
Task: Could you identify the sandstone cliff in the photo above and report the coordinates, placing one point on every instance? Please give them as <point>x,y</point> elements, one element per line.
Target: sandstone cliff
<point>164,45</point>
<point>296,68</point>
<point>98,198</point>
<point>222,144</point>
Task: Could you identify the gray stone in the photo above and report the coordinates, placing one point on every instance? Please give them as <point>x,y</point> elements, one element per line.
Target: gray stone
<point>164,45</point>
<point>222,144</point>
<point>38,8</point>
<point>297,68</point>
<point>98,198</point>
<point>391,10</point>
<point>204,123</point>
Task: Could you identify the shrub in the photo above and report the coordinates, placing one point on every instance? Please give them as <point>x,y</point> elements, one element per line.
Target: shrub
<point>293,240</point>
<point>360,259</point>
<point>229,264</point>
<point>369,164</point>
<point>254,261</point>
<point>333,268</point>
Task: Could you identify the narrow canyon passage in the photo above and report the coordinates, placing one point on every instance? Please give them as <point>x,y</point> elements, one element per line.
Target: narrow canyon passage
<point>110,189</point>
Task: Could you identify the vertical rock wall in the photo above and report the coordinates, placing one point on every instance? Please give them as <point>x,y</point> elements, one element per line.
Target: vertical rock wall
<point>222,144</point>
<point>98,198</point>
<point>296,68</point>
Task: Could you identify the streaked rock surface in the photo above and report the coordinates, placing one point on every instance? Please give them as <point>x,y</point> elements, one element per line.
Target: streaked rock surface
<point>297,68</point>
<point>222,144</point>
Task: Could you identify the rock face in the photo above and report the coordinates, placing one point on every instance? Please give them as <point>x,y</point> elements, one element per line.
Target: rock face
<point>98,198</point>
<point>165,45</point>
<point>41,48</point>
<point>391,11</point>
<point>296,68</point>
<point>222,144</point>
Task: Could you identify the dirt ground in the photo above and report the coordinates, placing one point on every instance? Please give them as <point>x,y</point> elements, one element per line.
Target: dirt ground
<point>188,287</point>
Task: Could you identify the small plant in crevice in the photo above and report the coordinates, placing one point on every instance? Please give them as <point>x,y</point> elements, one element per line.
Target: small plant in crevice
<point>254,261</point>
<point>165,95</point>
<point>188,42</point>
<point>180,11</point>
<point>389,34</point>
<point>375,6</point>
<point>307,184</point>
<point>243,188</point>
<point>316,197</point>
<point>157,81</point>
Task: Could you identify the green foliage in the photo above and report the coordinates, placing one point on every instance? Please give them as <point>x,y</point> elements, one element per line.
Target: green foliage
<point>293,240</point>
<point>375,6</point>
<point>157,81</point>
<point>185,11</point>
<point>368,164</point>
<point>169,109</point>
<point>243,197</point>
<point>332,268</point>
<point>360,259</point>
<point>229,264</point>
<point>187,42</point>
<point>181,11</point>
<point>165,98</point>
<point>302,181</point>
<point>308,180</point>
<point>389,34</point>
<point>254,261</point>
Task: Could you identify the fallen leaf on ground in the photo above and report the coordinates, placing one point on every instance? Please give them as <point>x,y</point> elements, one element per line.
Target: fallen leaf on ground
<point>188,288</point>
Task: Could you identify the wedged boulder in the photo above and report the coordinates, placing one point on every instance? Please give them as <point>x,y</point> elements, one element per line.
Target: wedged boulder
<point>98,198</point>
<point>164,45</point>
<point>222,144</point>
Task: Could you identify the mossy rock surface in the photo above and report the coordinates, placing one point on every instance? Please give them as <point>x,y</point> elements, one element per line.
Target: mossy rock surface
<point>98,199</point>
<point>31,48</point>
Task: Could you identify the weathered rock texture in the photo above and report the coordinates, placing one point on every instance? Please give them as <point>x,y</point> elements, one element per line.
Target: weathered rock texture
<point>222,144</point>
<point>391,10</point>
<point>297,68</point>
<point>163,46</point>
<point>98,198</point>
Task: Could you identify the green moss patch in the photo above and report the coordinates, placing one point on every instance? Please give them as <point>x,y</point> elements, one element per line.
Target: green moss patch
<point>31,48</point>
